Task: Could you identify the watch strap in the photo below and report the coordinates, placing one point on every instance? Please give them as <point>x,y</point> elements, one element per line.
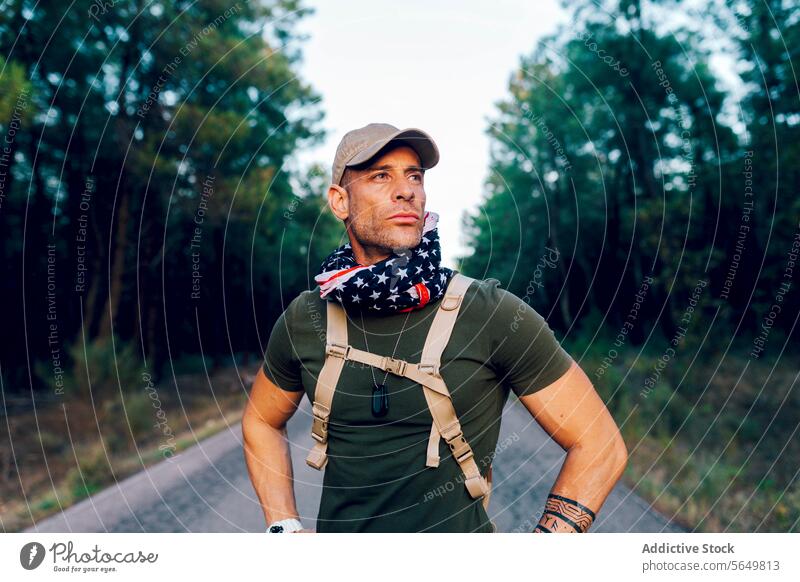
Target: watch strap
<point>290,525</point>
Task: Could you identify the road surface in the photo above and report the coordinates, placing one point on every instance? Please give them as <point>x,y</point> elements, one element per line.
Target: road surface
<point>207,488</point>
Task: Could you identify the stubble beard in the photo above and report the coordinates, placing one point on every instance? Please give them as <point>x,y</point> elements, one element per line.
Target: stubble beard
<point>371,235</point>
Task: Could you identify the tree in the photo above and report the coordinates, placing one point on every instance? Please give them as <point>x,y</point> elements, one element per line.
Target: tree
<point>156,161</point>
<point>610,148</point>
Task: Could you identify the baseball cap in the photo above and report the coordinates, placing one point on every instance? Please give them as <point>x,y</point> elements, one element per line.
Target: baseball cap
<point>360,145</point>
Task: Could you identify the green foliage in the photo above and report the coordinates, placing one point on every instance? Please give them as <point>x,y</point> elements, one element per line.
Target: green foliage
<point>99,369</point>
<point>151,196</point>
<point>190,364</point>
<point>14,92</point>
<point>139,414</point>
<point>52,443</point>
<point>46,505</point>
<point>90,474</point>
<point>104,367</point>
<point>615,145</point>
<point>128,420</point>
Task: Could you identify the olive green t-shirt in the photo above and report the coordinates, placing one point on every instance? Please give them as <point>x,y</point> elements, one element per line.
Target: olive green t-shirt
<point>376,479</point>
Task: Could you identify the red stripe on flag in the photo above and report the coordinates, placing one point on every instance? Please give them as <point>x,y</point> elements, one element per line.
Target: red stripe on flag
<point>340,273</point>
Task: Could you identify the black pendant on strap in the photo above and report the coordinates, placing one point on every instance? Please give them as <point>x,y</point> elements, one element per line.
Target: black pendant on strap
<point>380,400</point>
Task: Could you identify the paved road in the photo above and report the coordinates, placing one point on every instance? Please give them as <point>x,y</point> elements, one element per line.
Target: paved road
<point>207,489</point>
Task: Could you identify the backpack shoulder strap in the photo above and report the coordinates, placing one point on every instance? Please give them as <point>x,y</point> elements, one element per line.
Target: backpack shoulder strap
<point>445,320</point>
<point>438,336</point>
<point>445,421</point>
<point>336,344</point>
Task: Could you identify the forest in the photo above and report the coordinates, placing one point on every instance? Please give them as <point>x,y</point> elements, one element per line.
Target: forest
<point>647,205</point>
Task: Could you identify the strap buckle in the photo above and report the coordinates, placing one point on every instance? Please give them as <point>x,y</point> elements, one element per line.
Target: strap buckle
<point>394,366</point>
<point>430,369</point>
<point>337,350</point>
<point>454,437</point>
<point>451,431</point>
<point>319,426</point>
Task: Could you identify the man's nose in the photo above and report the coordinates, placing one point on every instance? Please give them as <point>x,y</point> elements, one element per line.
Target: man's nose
<point>405,190</point>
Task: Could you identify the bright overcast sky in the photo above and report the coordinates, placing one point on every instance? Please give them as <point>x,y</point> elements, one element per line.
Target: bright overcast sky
<point>415,64</point>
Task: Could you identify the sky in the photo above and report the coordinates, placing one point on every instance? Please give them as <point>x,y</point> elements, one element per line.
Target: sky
<point>439,67</point>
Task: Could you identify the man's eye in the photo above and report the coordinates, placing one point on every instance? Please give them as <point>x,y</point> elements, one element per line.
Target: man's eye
<point>417,177</point>
<point>381,175</point>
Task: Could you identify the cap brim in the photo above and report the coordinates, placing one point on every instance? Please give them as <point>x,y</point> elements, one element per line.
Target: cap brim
<point>416,139</point>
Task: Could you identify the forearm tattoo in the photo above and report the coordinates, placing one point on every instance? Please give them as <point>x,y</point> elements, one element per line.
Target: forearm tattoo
<point>564,515</point>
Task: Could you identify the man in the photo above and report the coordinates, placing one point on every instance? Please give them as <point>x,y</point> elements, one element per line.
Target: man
<point>389,282</point>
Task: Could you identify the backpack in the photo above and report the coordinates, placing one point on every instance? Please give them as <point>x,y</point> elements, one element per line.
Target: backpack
<point>426,373</point>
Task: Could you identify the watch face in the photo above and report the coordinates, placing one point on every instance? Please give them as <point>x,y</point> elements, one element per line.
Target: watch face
<point>276,529</point>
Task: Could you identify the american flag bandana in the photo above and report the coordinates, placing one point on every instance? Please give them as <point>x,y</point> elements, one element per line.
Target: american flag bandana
<point>403,282</point>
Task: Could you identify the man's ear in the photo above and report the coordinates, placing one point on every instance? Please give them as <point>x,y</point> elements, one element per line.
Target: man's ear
<point>339,201</point>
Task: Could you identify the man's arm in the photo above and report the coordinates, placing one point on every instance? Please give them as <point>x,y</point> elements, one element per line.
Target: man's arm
<point>266,449</point>
<point>573,414</point>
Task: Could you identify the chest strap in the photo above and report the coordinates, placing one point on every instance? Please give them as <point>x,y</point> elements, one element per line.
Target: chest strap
<point>426,373</point>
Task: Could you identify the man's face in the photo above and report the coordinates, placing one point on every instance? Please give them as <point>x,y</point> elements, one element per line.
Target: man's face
<point>385,204</point>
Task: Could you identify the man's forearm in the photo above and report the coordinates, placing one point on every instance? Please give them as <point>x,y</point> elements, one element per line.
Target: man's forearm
<point>269,464</point>
<point>585,480</point>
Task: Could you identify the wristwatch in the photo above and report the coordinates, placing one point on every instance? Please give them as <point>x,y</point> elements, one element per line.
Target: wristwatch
<point>285,526</point>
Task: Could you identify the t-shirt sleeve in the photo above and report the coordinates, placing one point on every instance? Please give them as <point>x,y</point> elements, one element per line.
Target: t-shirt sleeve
<point>281,364</point>
<point>527,355</point>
